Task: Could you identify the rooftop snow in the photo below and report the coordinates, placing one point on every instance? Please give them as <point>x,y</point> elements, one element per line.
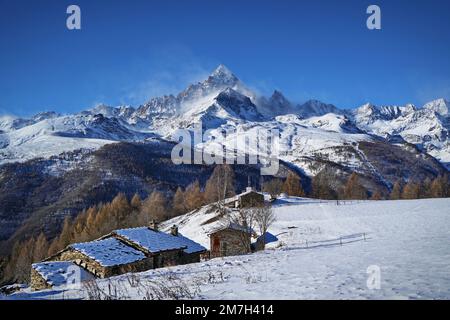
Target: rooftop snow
<point>191,245</point>
<point>151,240</point>
<point>232,226</point>
<point>58,273</point>
<point>238,196</point>
<point>109,252</point>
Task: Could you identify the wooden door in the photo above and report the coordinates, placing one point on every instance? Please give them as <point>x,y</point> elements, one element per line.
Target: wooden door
<point>216,245</point>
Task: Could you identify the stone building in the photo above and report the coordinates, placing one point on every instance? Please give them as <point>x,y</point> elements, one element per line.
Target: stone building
<point>124,251</point>
<point>248,199</point>
<point>45,275</point>
<point>106,257</point>
<point>230,240</point>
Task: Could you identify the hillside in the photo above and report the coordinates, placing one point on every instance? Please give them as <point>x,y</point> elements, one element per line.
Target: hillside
<point>407,240</point>
<point>36,195</point>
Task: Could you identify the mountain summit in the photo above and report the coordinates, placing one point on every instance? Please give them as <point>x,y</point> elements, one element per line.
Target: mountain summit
<point>223,75</point>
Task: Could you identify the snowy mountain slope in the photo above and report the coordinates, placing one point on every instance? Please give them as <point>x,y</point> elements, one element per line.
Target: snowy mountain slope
<point>405,240</point>
<point>427,127</point>
<point>313,148</point>
<point>332,122</point>
<point>223,102</point>
<point>296,139</point>
<point>55,135</point>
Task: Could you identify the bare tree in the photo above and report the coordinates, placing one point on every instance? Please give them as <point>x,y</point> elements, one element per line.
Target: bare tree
<point>220,186</point>
<point>264,218</point>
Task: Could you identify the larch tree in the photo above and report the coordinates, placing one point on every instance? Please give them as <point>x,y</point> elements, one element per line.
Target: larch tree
<point>179,202</point>
<point>353,190</point>
<point>293,186</point>
<point>194,197</point>
<point>65,236</point>
<point>376,196</point>
<point>411,190</point>
<point>154,208</point>
<point>425,190</point>
<point>274,187</point>
<point>40,248</point>
<point>136,202</point>
<point>438,188</point>
<point>220,185</point>
<point>396,192</point>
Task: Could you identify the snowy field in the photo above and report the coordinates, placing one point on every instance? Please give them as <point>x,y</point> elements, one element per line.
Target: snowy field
<point>323,251</point>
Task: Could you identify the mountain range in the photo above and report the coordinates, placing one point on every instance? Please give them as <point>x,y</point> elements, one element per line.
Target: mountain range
<point>223,100</point>
<point>52,165</point>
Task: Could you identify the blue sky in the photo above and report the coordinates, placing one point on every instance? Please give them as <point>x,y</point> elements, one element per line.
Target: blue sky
<point>129,51</point>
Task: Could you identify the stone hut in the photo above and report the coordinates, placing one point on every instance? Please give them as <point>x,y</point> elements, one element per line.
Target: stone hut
<point>230,240</point>
<point>248,199</point>
<point>46,275</point>
<point>106,257</point>
<point>127,250</point>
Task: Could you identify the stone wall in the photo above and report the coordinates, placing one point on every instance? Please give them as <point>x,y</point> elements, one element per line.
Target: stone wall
<point>101,271</point>
<point>252,199</point>
<point>168,258</point>
<point>187,258</point>
<point>232,243</point>
<point>37,282</point>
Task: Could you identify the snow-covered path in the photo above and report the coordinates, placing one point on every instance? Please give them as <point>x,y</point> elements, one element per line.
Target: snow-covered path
<point>408,240</point>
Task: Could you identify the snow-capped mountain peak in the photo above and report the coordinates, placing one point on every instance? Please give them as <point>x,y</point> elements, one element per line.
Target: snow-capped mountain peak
<point>279,101</point>
<point>45,115</point>
<point>315,108</point>
<point>440,106</point>
<point>369,113</point>
<point>223,75</point>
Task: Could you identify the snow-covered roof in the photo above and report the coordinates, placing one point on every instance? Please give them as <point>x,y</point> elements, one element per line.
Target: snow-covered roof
<point>232,226</point>
<point>236,197</point>
<point>191,245</point>
<point>268,238</point>
<point>151,240</point>
<point>57,273</point>
<point>109,252</point>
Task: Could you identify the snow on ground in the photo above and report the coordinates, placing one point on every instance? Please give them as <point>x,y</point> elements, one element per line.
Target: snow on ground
<point>407,240</point>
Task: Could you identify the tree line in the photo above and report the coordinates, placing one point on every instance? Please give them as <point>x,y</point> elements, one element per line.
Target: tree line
<point>353,188</point>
